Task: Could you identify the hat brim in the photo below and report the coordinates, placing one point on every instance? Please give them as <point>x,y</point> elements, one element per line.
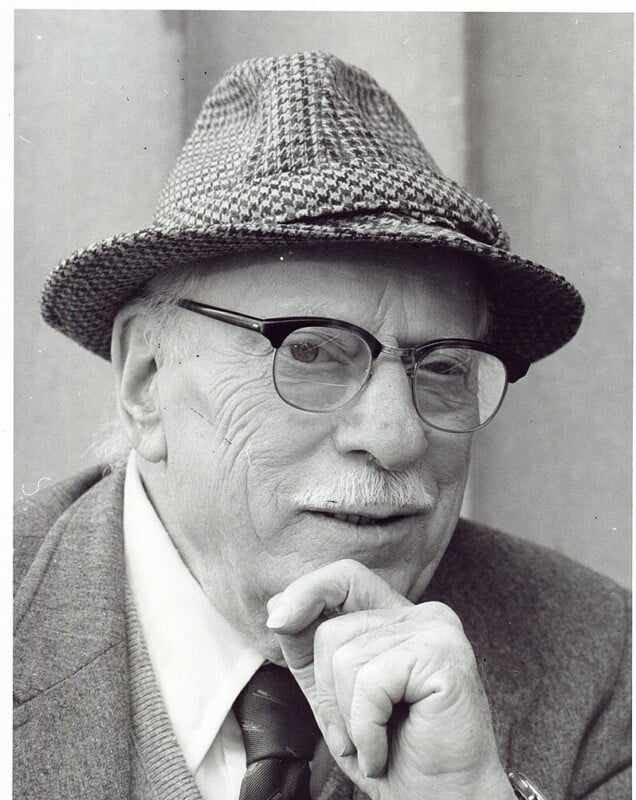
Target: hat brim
<point>534,310</point>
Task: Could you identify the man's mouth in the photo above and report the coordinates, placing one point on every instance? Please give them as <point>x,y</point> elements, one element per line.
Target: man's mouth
<point>365,519</point>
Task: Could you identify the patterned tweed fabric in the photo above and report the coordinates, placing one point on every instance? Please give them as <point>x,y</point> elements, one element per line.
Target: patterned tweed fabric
<point>307,149</point>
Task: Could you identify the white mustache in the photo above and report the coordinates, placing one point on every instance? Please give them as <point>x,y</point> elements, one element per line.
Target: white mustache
<point>369,488</point>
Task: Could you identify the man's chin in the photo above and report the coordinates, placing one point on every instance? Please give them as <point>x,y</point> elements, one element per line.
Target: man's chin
<point>272,651</point>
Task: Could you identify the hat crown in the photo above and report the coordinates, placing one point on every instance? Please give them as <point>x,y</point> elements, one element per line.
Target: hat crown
<point>304,136</point>
<point>306,149</point>
<point>297,111</point>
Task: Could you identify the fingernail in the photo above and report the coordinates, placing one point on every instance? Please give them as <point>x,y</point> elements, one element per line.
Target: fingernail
<point>339,743</point>
<point>280,612</point>
<point>368,770</point>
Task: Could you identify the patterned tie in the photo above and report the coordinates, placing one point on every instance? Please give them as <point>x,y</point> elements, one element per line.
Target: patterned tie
<point>280,735</point>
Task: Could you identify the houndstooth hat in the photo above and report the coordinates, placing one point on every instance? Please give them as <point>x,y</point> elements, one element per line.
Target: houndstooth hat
<point>307,149</point>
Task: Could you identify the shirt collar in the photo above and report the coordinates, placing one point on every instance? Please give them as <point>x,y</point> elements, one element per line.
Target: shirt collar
<point>200,661</point>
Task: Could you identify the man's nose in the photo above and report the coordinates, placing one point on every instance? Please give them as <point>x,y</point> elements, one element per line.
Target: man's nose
<point>382,421</point>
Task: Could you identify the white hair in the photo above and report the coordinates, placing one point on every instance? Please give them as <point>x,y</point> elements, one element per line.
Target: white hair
<point>168,338</point>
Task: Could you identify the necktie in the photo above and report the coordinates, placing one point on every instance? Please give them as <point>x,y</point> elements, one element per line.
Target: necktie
<point>280,735</point>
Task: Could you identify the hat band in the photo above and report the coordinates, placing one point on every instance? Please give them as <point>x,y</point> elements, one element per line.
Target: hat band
<point>327,192</point>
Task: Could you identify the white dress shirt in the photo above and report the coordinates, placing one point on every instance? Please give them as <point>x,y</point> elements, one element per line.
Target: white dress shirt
<point>200,661</point>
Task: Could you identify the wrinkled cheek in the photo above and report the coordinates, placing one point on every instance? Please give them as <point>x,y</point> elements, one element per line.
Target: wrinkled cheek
<point>272,457</point>
<point>240,490</point>
<point>266,500</point>
<point>201,446</point>
<point>249,478</point>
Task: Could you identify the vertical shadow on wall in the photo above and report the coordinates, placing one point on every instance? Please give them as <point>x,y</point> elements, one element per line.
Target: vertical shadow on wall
<point>177,21</point>
<point>474,40</point>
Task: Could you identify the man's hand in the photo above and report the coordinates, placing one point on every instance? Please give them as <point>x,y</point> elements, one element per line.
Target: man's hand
<point>394,687</point>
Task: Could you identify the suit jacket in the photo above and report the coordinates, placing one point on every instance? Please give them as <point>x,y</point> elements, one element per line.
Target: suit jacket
<point>551,639</point>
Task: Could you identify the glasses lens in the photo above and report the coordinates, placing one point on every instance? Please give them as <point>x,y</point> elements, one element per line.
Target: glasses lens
<point>459,389</point>
<point>320,369</point>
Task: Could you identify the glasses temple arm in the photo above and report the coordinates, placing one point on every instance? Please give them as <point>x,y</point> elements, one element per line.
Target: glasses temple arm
<point>241,320</point>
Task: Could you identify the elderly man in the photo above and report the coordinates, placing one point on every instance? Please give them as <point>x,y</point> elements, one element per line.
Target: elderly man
<point>276,598</point>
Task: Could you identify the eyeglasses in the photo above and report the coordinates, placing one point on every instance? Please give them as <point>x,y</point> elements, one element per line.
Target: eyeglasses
<point>321,364</point>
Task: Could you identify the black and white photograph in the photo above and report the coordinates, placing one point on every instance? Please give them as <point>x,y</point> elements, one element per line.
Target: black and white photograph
<point>322,411</point>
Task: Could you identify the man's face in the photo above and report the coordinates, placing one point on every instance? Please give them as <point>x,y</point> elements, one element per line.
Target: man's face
<point>256,493</point>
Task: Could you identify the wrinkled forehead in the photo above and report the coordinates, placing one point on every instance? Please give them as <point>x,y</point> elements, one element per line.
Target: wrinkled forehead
<point>409,291</point>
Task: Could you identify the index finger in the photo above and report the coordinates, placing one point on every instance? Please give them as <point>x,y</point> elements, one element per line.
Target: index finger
<point>341,587</point>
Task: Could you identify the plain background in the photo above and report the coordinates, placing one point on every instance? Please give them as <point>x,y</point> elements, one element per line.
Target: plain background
<point>533,112</point>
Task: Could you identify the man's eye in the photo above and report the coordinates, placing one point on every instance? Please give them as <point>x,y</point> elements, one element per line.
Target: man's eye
<point>304,351</point>
<point>452,368</point>
<point>320,348</point>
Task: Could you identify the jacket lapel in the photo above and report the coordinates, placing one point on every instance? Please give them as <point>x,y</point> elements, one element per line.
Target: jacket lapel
<point>71,683</point>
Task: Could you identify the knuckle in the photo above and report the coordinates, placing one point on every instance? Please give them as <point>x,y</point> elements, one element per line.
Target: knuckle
<point>440,612</point>
<point>324,709</point>
<point>353,567</point>
<point>366,679</point>
<point>462,649</point>
<point>345,659</point>
<point>461,656</point>
<point>324,633</point>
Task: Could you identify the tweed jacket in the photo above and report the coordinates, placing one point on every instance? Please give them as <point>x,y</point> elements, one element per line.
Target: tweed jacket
<point>551,639</point>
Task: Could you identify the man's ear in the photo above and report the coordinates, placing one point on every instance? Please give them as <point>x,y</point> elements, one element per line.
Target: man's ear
<point>136,374</point>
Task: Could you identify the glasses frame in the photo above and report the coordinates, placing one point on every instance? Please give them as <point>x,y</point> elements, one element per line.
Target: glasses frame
<point>277,329</point>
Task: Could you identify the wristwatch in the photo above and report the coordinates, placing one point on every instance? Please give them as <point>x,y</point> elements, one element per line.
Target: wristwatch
<point>523,788</point>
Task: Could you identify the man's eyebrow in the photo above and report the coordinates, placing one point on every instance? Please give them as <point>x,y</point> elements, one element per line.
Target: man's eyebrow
<point>308,310</point>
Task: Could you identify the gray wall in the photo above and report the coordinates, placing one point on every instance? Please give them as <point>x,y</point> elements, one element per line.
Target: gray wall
<point>98,103</point>
<point>550,120</point>
<point>533,111</point>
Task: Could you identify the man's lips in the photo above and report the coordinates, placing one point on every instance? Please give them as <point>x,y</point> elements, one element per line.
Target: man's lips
<point>360,519</point>
<point>378,516</point>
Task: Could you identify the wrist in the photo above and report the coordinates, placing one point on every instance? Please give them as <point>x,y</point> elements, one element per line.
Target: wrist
<point>495,785</point>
